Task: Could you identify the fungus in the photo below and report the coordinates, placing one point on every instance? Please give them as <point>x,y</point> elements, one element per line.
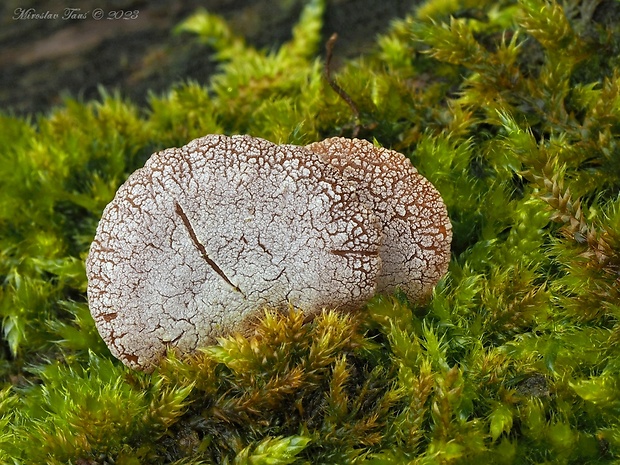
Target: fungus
<point>197,242</point>
<point>417,231</point>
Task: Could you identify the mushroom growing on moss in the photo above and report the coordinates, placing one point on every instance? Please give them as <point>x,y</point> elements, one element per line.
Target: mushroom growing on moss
<point>416,248</point>
<point>203,238</point>
<point>198,242</point>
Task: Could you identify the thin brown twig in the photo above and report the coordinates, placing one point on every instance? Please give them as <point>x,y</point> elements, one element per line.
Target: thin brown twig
<point>329,47</point>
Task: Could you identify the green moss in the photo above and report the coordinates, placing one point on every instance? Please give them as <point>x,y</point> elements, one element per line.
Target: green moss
<point>512,109</point>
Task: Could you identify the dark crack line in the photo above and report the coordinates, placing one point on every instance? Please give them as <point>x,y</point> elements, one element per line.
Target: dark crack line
<point>201,248</point>
<point>362,253</point>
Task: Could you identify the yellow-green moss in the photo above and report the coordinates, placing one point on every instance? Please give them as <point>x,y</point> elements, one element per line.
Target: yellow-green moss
<point>512,109</point>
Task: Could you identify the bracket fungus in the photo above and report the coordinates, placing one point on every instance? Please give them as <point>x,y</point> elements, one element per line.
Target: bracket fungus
<point>201,239</point>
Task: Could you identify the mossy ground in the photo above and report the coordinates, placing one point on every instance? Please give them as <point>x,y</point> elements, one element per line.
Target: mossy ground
<point>512,110</point>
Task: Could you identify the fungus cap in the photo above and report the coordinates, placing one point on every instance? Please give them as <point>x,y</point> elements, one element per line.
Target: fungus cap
<point>417,231</point>
<point>197,242</point>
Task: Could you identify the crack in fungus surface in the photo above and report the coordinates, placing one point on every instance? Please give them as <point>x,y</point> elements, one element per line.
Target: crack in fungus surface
<point>201,248</point>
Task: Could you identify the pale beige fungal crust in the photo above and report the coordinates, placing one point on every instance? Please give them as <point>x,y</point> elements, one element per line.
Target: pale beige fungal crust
<point>417,231</point>
<point>199,241</point>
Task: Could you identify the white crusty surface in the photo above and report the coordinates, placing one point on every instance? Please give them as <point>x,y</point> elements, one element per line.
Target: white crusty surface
<point>417,231</point>
<point>196,243</point>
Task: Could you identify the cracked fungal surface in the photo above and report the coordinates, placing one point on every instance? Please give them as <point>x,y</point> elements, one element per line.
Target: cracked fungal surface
<point>416,248</point>
<point>204,237</point>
